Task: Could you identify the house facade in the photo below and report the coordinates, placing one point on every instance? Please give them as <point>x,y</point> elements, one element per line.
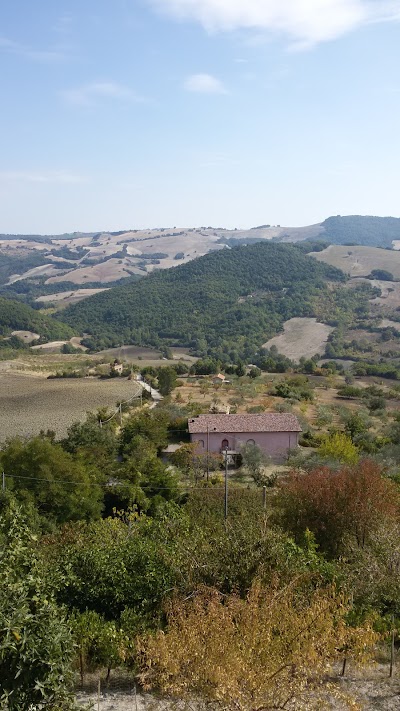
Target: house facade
<point>274,433</point>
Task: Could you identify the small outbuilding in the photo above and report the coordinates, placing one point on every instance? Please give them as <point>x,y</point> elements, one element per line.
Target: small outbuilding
<point>275,433</point>
<point>218,379</point>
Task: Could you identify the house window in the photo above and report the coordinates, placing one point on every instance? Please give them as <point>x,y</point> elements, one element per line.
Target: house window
<point>225,444</point>
<point>250,441</point>
<point>201,443</point>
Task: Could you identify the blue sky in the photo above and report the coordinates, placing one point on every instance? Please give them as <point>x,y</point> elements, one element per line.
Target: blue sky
<point>146,113</point>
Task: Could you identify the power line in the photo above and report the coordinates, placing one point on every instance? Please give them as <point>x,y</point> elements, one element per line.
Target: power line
<point>84,483</point>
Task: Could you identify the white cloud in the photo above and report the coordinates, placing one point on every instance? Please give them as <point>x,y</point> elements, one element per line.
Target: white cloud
<point>306,22</point>
<point>90,94</point>
<point>52,176</point>
<point>204,84</point>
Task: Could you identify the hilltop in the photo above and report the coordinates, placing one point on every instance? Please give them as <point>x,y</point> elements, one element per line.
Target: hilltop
<point>226,303</point>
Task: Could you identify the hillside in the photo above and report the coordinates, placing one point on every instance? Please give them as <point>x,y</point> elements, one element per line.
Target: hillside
<point>360,261</point>
<point>15,316</point>
<point>38,267</point>
<point>226,303</point>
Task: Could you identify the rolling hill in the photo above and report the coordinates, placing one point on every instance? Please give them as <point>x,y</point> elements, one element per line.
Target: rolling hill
<point>227,303</point>
<point>36,267</point>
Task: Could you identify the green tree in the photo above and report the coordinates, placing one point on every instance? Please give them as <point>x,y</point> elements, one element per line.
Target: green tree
<point>153,426</point>
<point>61,487</point>
<point>109,565</point>
<point>240,370</point>
<point>166,380</point>
<point>355,425</point>
<point>254,462</point>
<point>339,447</point>
<point>35,641</point>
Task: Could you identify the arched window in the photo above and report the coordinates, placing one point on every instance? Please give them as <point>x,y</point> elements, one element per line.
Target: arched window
<point>250,441</point>
<point>200,442</point>
<point>225,444</point>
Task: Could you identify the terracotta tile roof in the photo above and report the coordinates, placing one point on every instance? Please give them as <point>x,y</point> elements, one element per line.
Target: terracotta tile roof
<point>265,422</point>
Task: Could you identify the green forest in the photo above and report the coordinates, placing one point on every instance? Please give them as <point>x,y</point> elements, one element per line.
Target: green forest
<point>365,230</point>
<point>225,304</point>
<point>15,316</point>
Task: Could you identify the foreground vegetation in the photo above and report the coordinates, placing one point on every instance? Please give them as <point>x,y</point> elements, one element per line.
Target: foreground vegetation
<point>128,562</point>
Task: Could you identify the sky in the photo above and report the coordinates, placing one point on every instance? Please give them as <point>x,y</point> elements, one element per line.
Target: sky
<point>228,113</point>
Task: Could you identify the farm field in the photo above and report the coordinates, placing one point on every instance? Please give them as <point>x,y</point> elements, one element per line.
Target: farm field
<point>30,403</point>
<point>359,261</point>
<point>104,272</point>
<point>302,338</point>
<point>141,356</point>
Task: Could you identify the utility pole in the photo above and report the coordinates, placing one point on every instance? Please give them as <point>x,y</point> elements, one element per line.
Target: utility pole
<point>120,414</point>
<point>226,483</point>
<point>4,481</point>
<point>208,451</point>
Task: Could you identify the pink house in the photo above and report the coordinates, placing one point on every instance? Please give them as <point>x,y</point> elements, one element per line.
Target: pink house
<point>275,433</point>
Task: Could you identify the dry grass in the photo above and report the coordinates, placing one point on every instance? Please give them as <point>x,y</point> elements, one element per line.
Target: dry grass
<point>302,338</point>
<point>359,261</point>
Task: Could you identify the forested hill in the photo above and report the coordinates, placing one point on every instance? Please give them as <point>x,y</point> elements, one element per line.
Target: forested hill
<point>226,303</point>
<point>364,230</point>
<point>15,316</point>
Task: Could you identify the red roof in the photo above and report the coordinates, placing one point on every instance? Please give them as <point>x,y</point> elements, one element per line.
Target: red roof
<point>265,422</point>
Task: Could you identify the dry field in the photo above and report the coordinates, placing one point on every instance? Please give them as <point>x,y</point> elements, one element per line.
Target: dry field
<point>30,403</point>
<point>45,270</point>
<point>302,337</point>
<point>141,356</point>
<point>359,261</point>
<point>105,272</point>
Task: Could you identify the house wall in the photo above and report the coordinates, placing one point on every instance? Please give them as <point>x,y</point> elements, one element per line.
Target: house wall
<point>275,444</point>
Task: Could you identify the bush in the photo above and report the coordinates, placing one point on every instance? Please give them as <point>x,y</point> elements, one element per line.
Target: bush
<point>338,506</point>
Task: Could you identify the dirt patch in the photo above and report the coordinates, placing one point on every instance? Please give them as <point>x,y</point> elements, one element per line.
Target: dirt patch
<point>51,347</point>
<point>370,688</point>
<point>387,323</point>
<point>302,338</point>
<point>26,336</point>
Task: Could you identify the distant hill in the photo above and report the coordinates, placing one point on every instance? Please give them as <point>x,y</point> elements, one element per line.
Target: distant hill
<point>33,266</point>
<point>15,316</point>
<point>226,303</point>
<point>366,231</point>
